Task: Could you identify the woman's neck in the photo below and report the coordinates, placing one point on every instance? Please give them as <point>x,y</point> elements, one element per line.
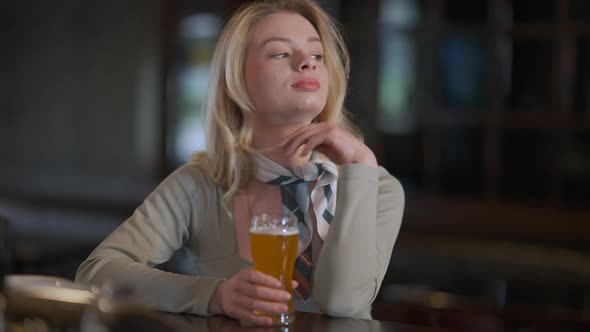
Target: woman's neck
<point>270,139</point>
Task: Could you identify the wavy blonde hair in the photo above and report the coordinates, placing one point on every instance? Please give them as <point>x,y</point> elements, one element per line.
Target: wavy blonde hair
<point>229,110</point>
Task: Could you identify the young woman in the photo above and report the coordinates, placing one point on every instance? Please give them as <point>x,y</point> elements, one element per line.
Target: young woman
<point>275,111</point>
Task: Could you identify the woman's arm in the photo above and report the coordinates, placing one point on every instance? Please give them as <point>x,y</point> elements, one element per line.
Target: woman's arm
<point>149,237</point>
<point>356,253</point>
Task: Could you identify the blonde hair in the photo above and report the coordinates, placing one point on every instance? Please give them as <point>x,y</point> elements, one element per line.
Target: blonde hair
<point>229,109</point>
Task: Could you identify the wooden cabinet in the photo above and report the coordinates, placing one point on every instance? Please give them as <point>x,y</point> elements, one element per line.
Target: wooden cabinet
<point>492,113</point>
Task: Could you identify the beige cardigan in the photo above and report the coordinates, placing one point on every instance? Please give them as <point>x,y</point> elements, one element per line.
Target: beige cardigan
<point>187,210</point>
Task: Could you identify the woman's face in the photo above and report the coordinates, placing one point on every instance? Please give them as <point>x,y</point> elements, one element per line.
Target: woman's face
<point>285,74</point>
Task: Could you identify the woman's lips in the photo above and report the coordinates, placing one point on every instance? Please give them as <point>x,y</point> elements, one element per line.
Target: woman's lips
<point>307,84</point>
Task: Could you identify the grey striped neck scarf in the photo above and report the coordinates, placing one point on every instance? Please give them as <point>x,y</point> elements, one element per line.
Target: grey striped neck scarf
<point>295,192</point>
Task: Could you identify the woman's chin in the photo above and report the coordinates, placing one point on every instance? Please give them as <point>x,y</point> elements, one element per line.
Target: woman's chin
<point>309,112</point>
<point>297,116</point>
<point>310,106</point>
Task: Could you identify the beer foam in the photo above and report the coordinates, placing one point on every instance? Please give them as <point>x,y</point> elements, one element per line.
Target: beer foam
<point>275,231</point>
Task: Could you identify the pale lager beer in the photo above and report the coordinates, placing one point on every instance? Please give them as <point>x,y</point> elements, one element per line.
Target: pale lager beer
<point>274,241</point>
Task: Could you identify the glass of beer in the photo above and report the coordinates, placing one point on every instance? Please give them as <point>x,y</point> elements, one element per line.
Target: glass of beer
<point>274,240</point>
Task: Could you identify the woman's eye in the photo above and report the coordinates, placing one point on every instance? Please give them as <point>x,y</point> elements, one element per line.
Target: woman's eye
<point>280,55</point>
<point>317,56</point>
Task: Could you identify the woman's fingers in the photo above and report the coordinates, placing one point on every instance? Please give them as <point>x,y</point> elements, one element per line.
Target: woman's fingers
<point>293,141</point>
<point>260,278</point>
<point>327,138</point>
<point>251,291</point>
<point>341,146</point>
<point>313,142</point>
<point>264,293</point>
<point>294,135</point>
<point>300,137</point>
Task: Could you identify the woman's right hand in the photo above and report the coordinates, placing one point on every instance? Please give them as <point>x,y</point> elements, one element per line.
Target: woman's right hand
<point>247,291</point>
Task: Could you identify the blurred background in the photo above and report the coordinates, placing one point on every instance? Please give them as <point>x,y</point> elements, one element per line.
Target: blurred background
<point>480,108</point>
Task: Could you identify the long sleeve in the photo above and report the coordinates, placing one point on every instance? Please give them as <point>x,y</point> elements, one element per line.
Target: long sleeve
<point>149,237</point>
<point>356,253</point>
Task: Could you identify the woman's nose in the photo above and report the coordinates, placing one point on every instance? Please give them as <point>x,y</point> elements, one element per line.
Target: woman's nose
<point>305,62</point>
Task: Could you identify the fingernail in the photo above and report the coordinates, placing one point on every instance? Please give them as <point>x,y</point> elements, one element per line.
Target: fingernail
<point>286,296</point>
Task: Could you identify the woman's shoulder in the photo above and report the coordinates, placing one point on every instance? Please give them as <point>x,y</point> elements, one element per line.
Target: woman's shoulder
<point>188,180</point>
<point>193,176</point>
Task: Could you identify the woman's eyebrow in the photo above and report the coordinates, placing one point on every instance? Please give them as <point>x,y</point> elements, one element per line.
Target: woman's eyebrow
<point>288,40</point>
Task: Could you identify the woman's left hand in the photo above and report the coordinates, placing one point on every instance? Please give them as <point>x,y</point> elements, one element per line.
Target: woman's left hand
<point>332,140</point>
